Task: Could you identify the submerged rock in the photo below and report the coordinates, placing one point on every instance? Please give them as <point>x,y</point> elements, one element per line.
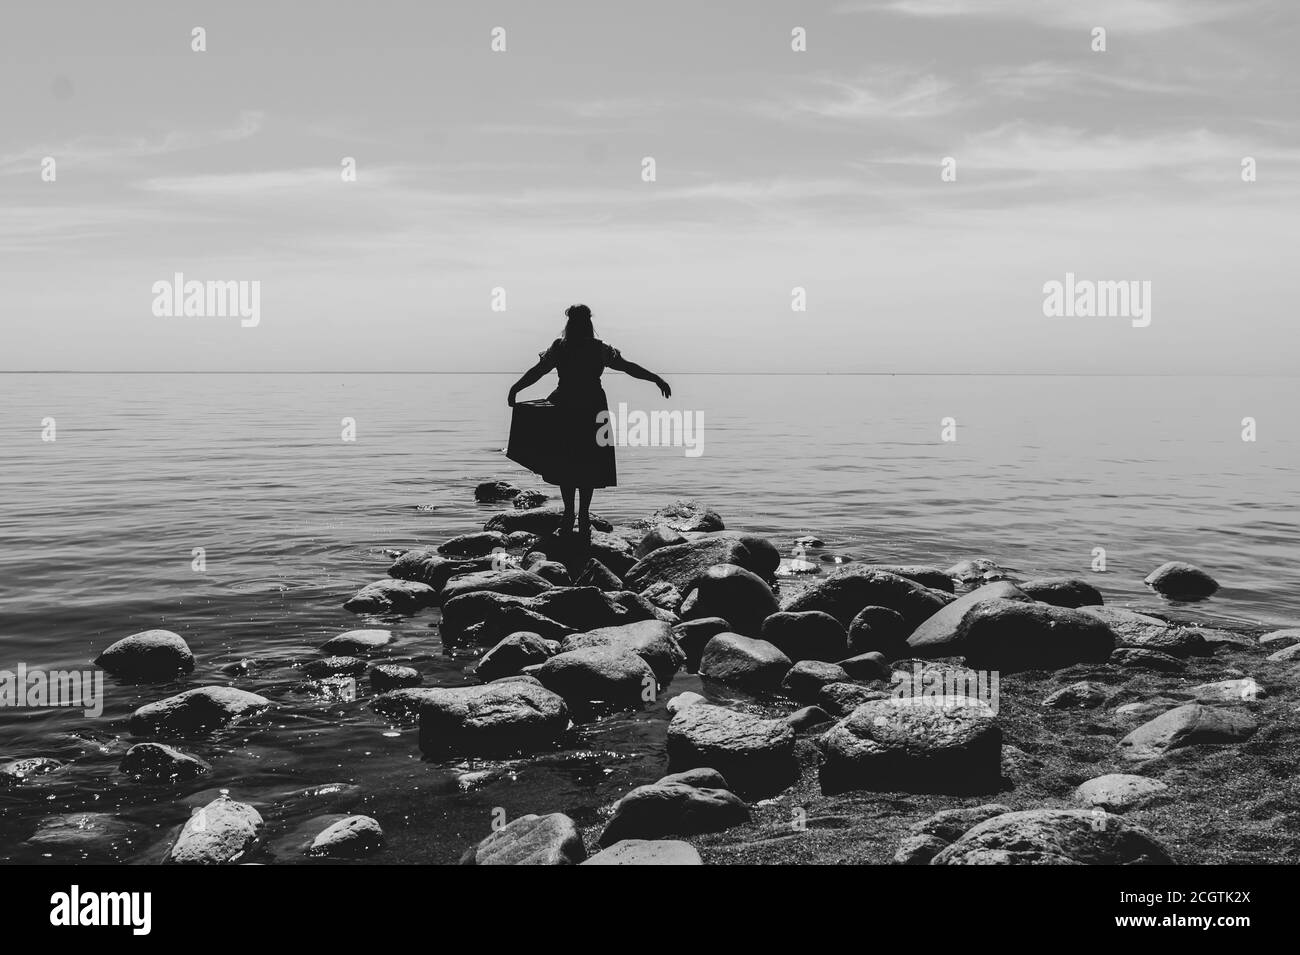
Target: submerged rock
<point>357,643</point>
<point>491,492</point>
<point>391,676</point>
<point>531,840</point>
<point>755,755</point>
<point>392,596</point>
<point>1072,592</point>
<point>1181,581</point>
<point>196,712</point>
<point>94,837</point>
<point>1054,837</point>
<point>349,838</point>
<point>744,662</point>
<point>160,763</point>
<point>977,570</point>
<point>1189,725</point>
<point>518,716</point>
<point>335,666</point>
<point>220,833</point>
<point>18,770</point>
<point>478,544</point>
<point>647,852</point>
<point>673,809</point>
<point>150,655</point>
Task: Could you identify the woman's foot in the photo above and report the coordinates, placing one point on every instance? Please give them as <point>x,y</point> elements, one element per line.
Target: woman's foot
<point>584,526</point>
<point>566,524</point>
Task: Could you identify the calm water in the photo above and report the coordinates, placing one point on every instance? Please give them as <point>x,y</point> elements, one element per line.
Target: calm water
<point>97,530</point>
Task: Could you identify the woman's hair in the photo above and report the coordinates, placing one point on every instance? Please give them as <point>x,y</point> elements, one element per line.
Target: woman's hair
<point>578,325</point>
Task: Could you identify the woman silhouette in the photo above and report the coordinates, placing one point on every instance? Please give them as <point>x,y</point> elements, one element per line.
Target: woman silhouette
<point>581,462</point>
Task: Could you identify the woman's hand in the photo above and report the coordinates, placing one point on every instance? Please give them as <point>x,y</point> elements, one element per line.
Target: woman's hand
<point>663,388</point>
<point>510,399</point>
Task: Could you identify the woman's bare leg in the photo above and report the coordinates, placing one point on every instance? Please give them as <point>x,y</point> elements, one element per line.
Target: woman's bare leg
<point>567,492</point>
<point>584,511</point>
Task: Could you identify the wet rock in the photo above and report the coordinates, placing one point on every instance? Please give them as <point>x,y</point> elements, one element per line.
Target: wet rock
<point>736,595</point>
<point>878,630</point>
<point>1143,710</point>
<point>701,777</point>
<point>151,655</point>
<point>1072,592</point>
<point>1055,837</point>
<point>478,544</point>
<point>682,565</point>
<point>1146,660</point>
<point>1181,642</point>
<point>596,574</point>
<point>1010,634</point>
<point>1245,690</point>
<point>1124,621</point>
<point>656,537</point>
<point>932,577</point>
<point>1286,654</point>
<point>402,704</point>
<point>867,666</point>
<point>196,712</point>
<point>392,676</point>
<point>496,719</point>
<point>574,551</point>
<point>841,699</point>
<point>683,700</point>
<point>492,492</point>
<point>537,520</point>
<point>941,633</point>
<point>357,643</point>
<point>664,596</point>
<point>804,680</point>
<point>1215,638</point>
<point>1191,725</point>
<point>1280,639</point>
<point>528,499</point>
<point>608,675</point>
<point>1181,581</point>
<point>514,653</point>
<point>932,835</point>
<point>514,582</point>
<point>744,662</point>
<point>912,745</point>
<point>1116,792</point>
<point>755,755</point>
<point>694,635</point>
<point>688,517</point>
<point>335,666</point>
<point>427,566</point>
<point>553,571</point>
<point>531,840</point>
<point>392,596</point>
<point>94,837</point>
<point>1078,696</point>
<point>159,763</point>
<point>647,852</point>
<point>19,770</point>
<point>845,592</point>
<point>554,614</point>
<point>652,640</point>
<point>349,838</point>
<point>805,719</point>
<point>977,570</point>
<point>673,809</point>
<point>220,833</point>
<point>811,635</point>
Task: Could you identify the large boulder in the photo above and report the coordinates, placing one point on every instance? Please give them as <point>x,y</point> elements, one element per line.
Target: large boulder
<point>744,662</point>
<point>496,719</point>
<point>682,565</point>
<point>537,520</point>
<point>688,517</point>
<point>478,544</point>
<point>1055,837</point>
<point>147,656</point>
<point>845,592</point>
<point>914,745</point>
<point>389,596</point>
<point>673,809</point>
<point>734,594</point>
<point>220,833</point>
<point>607,675</point>
<point>531,840</point>
<point>1009,635</point>
<point>810,635</point>
<point>1070,592</point>
<point>879,630</point>
<point>805,679</point>
<point>943,628</point>
<point>1190,725</point>
<point>596,574</point>
<point>652,640</point>
<point>1181,581</point>
<point>486,617</point>
<point>694,635</point>
<point>933,834</point>
<point>427,566</point>
<point>574,551</point>
<point>656,537</point>
<point>514,582</point>
<point>932,577</point>
<point>513,653</point>
<point>755,755</point>
<point>196,712</point>
<point>647,852</point>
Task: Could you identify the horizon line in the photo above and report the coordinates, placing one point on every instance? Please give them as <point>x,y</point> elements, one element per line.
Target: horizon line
<point>798,374</point>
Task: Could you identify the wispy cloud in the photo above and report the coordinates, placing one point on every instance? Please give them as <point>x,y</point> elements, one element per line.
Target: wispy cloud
<point>887,93</point>
<point>1135,16</point>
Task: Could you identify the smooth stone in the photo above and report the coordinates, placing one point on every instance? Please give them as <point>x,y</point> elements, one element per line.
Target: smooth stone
<point>220,833</point>
<point>688,517</point>
<point>477,544</point>
<point>196,712</point>
<point>1072,592</point>
<point>1134,659</point>
<point>1078,696</point>
<point>841,699</point>
<point>1124,621</point>
<point>1192,724</point>
<point>1291,637</point>
<point>867,666</point>
<point>1117,792</point>
<point>491,492</point>
<point>932,835</point>
<point>652,640</point>
<point>158,762</point>
<point>734,594</point>
<point>495,719</point>
<point>1055,837</point>
<point>847,590</point>
<point>702,777</point>
<point>744,661</point>
<point>673,809</point>
<point>349,838</point>
<point>513,653</point>
<point>1245,690</point>
<point>1181,581</point>
<point>683,700</point>
<point>1175,641</point>
<point>1011,635</point>
<point>392,676</point>
<point>656,537</point>
<point>941,634</point>
<point>147,656</point>
<point>1144,710</point>
<point>1285,654</point>
<point>514,582</point>
<point>596,574</point>
<point>878,630</point>
<point>427,566</point>
<point>609,675</point>
<point>804,680</point>
<point>531,840</point>
<point>647,852</point>
<point>553,571</point>
<point>694,635</point>
<point>392,596</point>
<point>805,719</point>
<point>682,565</point>
<point>755,755</point>
<point>811,635</point>
<point>932,577</point>
<point>357,643</point>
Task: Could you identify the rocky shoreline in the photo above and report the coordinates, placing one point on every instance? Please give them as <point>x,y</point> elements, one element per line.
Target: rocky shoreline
<point>868,713</point>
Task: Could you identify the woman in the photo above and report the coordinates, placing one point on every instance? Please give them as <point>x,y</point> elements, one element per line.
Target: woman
<point>582,462</point>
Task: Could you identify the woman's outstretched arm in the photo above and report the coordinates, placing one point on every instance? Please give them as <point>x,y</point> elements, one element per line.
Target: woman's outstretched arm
<point>636,371</point>
<point>531,377</point>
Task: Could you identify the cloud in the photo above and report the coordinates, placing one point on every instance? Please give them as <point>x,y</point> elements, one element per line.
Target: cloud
<point>887,93</point>
<point>1133,16</point>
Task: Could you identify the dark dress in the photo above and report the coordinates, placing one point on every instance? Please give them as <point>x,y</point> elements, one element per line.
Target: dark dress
<point>581,460</point>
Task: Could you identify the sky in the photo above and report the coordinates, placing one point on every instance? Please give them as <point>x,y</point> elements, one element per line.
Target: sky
<point>775,169</point>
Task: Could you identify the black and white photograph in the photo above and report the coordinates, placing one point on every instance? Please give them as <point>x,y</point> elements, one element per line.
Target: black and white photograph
<point>558,432</point>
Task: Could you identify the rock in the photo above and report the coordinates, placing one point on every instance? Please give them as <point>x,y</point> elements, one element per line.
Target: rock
<point>491,492</point>
<point>656,537</point>
<point>1143,710</point>
<point>1146,660</point>
<point>1124,621</point>
<point>736,595</point>
<point>672,809</point>
<point>1190,725</point>
<point>554,614</point>
<point>663,595</point>
<point>391,676</point>
<point>912,745</point>
<point>1072,592</point>
<point>652,640</point>
<point>841,699</point>
<point>811,635</point>
<point>755,755</point>
<point>845,592</point>
<point>529,499</point>
<point>1280,639</point>
<point>1054,837</point>
<point>807,718</point>
<point>520,541</point>
<point>744,662</point>
<point>683,700</point>
<point>932,835</point>
<point>1214,638</point>
<point>478,544</point>
<point>495,719</point>
<point>151,655</point>
<point>94,837</point>
<point>1116,792</point>
<point>513,654</point>
<point>156,762</point>
<point>804,680</point>
<point>701,777</point>
<point>1229,691</point>
<point>867,666</point>
<point>596,574</point>
<point>647,852</point>
<point>688,517</point>
<point>1078,696</point>
<point>878,630</point>
<point>553,571</point>
<point>349,838</point>
<point>1285,654</point>
<point>1178,642</point>
<point>514,582</point>
<point>531,840</point>
<point>918,850</point>
<point>335,666</point>
<point>682,565</point>
<point>429,567</point>
<point>941,633</point>
<point>402,704</point>
<point>357,643</point>
<point>1011,634</point>
<point>196,712</point>
<point>18,770</point>
<point>574,551</point>
<point>220,833</point>
<point>537,520</point>
<point>931,577</point>
<point>392,596</point>
<point>608,675</point>
<point>1180,581</point>
<point>694,635</point>
<point>977,570</point>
